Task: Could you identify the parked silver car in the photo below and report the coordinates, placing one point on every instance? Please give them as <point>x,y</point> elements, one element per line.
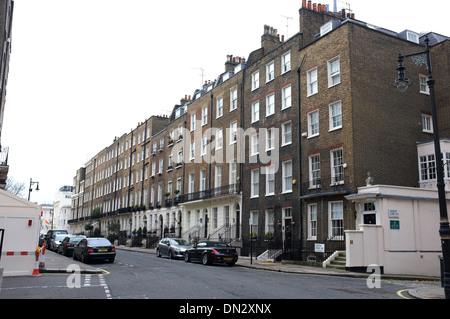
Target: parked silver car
<point>172,247</point>
<point>56,241</point>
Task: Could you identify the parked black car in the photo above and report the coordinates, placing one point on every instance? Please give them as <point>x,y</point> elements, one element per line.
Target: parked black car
<point>50,236</point>
<point>172,247</point>
<point>89,249</point>
<point>68,243</point>
<point>212,252</point>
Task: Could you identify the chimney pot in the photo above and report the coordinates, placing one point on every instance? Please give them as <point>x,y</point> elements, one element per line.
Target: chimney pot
<point>314,6</point>
<point>309,4</point>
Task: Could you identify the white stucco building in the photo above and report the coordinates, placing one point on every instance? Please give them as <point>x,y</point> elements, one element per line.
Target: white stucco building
<point>397,228</point>
<point>62,208</point>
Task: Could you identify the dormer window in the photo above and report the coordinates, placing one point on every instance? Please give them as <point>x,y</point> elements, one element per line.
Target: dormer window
<point>412,36</point>
<point>327,27</point>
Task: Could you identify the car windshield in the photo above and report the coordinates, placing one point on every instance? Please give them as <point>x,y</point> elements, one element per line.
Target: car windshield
<point>181,242</point>
<point>60,237</point>
<point>98,242</point>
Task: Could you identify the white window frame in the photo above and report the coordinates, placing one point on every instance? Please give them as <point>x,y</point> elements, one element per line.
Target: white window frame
<point>204,145</point>
<point>254,144</point>
<point>219,138</point>
<point>312,125</point>
<point>427,168</point>
<point>191,185</point>
<point>270,222</point>
<point>193,120</point>
<point>286,133</point>
<point>270,104</point>
<point>337,166</point>
<point>161,166</point>
<point>336,220</point>
<point>233,133</point>
<point>335,115</point>
<point>270,71</point>
<point>219,107</point>
<point>233,99</point>
<point>218,176</point>
<point>202,180</point>
<point>312,82</point>
<point>446,158</point>
<point>270,180</point>
<point>270,139</point>
<point>286,62</point>
<point>287,176</point>
<point>192,150</point>
<point>327,27</point>
<point>334,73</point>
<point>314,171</point>
<point>253,223</point>
<point>423,85</point>
<point>312,221</point>
<point>427,123</point>
<point>255,111</point>
<point>254,177</point>
<point>286,97</point>
<point>233,173</point>
<point>255,80</point>
<point>204,115</point>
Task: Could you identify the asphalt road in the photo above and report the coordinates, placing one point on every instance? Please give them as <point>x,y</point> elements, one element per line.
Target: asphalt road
<point>136,275</point>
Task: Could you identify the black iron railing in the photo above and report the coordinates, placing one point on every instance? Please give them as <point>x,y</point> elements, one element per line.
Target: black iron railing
<point>211,193</point>
<point>330,184</point>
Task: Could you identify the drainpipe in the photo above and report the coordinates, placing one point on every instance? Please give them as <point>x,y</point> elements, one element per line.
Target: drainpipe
<point>300,151</point>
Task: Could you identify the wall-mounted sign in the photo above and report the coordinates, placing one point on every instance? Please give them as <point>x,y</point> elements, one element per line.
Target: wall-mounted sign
<point>395,224</point>
<point>393,213</point>
<point>319,248</point>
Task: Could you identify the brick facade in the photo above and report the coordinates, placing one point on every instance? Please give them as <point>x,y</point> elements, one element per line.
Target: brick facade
<point>326,96</point>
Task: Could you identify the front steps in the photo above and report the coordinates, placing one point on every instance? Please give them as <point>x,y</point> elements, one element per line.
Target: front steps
<point>336,260</point>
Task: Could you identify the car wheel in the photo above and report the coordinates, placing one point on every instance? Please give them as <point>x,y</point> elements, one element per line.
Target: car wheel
<point>186,257</point>
<point>158,253</point>
<point>84,258</point>
<point>205,259</point>
<point>74,256</point>
<point>231,264</point>
<point>111,260</point>
<point>170,254</point>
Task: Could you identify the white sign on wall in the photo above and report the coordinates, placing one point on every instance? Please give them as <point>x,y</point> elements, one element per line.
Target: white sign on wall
<point>393,213</point>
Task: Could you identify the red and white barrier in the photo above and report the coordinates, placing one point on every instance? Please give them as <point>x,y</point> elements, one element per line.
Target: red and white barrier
<point>42,260</point>
<point>36,264</point>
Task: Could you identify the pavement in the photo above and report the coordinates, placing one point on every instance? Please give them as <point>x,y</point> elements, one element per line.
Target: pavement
<point>55,263</point>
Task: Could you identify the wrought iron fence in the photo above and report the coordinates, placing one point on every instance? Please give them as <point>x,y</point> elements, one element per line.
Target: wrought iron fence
<point>211,193</point>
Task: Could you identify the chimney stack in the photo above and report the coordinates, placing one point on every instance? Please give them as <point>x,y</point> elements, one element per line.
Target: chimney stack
<point>270,39</point>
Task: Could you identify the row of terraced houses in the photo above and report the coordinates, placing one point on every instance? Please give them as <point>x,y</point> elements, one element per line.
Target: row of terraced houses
<point>264,156</point>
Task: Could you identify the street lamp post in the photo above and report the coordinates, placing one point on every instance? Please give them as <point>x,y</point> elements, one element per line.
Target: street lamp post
<point>402,84</point>
<point>30,189</point>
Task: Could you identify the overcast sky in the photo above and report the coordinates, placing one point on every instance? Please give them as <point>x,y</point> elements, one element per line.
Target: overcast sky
<point>85,71</point>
